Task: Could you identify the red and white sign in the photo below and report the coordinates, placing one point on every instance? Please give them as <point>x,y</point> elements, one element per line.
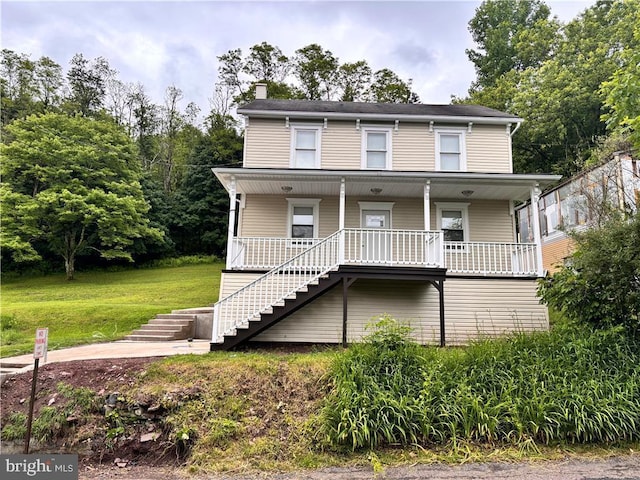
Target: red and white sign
<point>42,338</point>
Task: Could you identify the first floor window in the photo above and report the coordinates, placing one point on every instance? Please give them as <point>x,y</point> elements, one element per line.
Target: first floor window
<point>452,226</point>
<point>453,221</point>
<point>303,217</point>
<point>302,222</point>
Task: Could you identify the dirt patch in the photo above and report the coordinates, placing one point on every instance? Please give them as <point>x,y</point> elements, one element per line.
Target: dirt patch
<point>89,432</point>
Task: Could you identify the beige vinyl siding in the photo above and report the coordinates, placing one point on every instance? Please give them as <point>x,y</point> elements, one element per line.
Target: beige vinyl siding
<point>490,221</point>
<point>474,308</point>
<point>268,144</point>
<point>413,147</point>
<point>488,149</point>
<point>480,308</point>
<point>231,282</point>
<point>341,146</point>
<point>264,216</point>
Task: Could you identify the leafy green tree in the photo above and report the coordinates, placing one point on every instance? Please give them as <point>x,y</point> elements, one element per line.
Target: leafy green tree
<point>316,70</point>
<point>387,87</point>
<point>622,92</point>
<point>511,35</point>
<point>201,205</point>
<point>601,285</point>
<point>17,85</point>
<point>353,80</point>
<point>71,185</point>
<point>88,84</point>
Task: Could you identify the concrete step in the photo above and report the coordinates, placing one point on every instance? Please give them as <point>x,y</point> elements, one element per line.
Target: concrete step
<point>176,316</point>
<point>170,327</point>
<point>165,327</point>
<point>150,338</point>
<point>168,321</point>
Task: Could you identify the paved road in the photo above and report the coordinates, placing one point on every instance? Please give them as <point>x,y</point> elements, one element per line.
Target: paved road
<point>616,468</point>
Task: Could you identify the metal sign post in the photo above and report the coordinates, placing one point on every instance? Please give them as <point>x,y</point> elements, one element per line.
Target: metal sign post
<point>39,351</point>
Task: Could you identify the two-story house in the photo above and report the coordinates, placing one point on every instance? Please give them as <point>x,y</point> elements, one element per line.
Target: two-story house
<point>586,200</point>
<point>345,211</point>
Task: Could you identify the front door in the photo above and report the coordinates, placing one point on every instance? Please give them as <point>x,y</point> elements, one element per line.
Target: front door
<point>376,246</point>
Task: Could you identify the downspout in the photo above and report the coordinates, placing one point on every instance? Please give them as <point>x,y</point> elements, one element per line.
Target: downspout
<point>511,134</point>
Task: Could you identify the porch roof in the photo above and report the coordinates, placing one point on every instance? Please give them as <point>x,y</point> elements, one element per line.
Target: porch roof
<point>445,185</point>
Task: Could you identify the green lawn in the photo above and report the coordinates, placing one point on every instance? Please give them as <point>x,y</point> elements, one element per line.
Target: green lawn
<point>98,306</point>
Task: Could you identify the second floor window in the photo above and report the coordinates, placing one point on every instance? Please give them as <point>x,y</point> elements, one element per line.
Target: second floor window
<point>450,151</point>
<point>376,149</point>
<point>305,147</point>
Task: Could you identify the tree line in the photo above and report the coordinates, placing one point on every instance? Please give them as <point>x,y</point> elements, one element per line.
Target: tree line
<point>93,168</point>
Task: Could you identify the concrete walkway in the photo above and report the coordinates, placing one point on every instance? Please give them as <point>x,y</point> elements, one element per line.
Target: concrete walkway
<point>120,349</point>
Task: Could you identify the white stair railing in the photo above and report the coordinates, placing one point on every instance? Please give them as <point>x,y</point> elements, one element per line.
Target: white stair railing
<point>275,286</point>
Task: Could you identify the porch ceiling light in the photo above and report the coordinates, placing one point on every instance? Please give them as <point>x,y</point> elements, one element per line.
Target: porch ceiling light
<point>286,188</point>
<point>467,193</point>
<point>376,191</point>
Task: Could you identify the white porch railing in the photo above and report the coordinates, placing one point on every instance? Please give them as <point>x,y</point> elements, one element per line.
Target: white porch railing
<point>485,258</point>
<point>392,247</point>
<point>265,252</point>
<point>356,247</point>
<point>270,289</point>
<point>395,248</point>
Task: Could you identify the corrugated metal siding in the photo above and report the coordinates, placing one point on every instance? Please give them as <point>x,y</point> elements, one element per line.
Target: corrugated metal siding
<point>555,251</point>
<point>488,149</point>
<point>268,144</point>
<point>474,308</point>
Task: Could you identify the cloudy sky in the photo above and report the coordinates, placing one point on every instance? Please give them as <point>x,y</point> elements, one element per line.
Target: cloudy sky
<point>162,43</point>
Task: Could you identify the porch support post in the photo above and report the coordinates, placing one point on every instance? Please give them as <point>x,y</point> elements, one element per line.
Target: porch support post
<point>341,214</point>
<point>346,283</point>
<point>439,285</point>
<point>232,221</point>
<point>535,196</point>
<point>427,206</point>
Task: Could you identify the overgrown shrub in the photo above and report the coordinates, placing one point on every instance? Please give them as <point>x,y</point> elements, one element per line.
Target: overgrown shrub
<point>376,389</point>
<point>569,385</point>
<point>601,285</point>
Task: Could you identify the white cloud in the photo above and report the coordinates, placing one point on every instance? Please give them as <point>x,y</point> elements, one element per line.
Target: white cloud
<point>163,43</point>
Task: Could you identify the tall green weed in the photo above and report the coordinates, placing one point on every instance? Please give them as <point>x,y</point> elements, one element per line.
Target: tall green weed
<point>571,385</point>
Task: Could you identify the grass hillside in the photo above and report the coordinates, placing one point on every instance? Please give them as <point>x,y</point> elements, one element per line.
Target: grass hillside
<point>98,306</point>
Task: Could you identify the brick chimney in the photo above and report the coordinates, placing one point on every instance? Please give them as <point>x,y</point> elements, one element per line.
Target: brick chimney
<point>261,91</point>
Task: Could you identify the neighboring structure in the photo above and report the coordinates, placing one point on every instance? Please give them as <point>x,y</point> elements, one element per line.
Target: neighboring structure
<point>346,211</point>
<point>585,200</point>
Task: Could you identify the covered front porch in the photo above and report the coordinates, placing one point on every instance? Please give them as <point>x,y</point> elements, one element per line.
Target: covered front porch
<point>391,248</point>
<point>383,218</point>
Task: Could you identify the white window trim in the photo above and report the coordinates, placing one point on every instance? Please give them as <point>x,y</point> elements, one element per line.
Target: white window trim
<point>462,132</point>
<point>304,202</point>
<point>363,153</point>
<point>463,207</point>
<point>304,126</point>
<point>385,206</point>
